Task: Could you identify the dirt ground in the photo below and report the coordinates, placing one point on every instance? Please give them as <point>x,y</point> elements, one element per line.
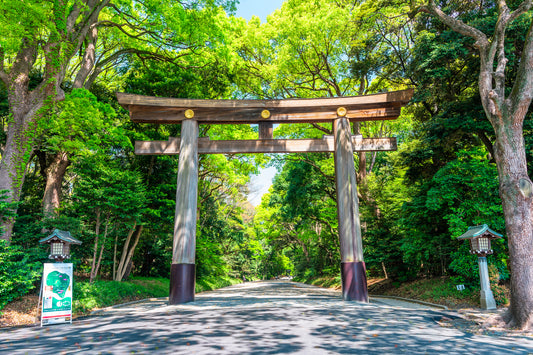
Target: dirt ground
<point>22,311</point>
<point>481,322</point>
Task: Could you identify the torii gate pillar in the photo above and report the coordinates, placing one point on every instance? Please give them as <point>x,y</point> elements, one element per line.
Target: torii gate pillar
<point>353,271</point>
<point>183,269</point>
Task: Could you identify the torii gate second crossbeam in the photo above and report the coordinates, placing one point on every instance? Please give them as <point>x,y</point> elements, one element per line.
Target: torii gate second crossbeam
<point>339,111</point>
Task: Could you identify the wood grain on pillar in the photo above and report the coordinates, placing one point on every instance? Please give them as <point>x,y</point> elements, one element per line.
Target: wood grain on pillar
<point>347,201</point>
<point>353,271</point>
<point>186,196</point>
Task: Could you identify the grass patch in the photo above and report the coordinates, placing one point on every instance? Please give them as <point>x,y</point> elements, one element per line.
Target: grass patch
<point>327,281</point>
<point>215,282</point>
<point>101,294</point>
<point>438,290</point>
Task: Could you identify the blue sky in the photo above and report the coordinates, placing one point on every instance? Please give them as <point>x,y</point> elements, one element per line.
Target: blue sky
<point>260,184</point>
<point>261,8</point>
<point>247,8</point>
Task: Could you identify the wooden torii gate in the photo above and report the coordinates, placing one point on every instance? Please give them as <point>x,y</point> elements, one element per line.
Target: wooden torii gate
<point>191,113</point>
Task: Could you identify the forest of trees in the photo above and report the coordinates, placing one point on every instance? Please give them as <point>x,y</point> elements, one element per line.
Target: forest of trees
<point>67,157</point>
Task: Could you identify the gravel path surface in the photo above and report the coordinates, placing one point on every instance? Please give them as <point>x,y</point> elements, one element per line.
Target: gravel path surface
<point>278,317</point>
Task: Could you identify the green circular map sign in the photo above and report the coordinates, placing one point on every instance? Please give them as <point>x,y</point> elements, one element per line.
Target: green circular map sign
<point>59,282</point>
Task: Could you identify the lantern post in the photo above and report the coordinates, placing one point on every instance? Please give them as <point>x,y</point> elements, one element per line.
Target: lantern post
<point>480,244</point>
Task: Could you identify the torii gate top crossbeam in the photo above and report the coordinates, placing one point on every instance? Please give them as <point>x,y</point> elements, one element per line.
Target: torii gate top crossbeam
<point>146,109</point>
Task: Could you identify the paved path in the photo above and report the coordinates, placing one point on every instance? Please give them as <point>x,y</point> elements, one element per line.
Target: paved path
<point>260,318</point>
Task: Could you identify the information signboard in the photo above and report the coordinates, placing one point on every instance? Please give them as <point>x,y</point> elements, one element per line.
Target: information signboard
<point>57,293</point>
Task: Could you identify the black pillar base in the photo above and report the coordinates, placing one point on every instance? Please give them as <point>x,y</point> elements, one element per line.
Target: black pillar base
<point>353,275</point>
<point>182,281</point>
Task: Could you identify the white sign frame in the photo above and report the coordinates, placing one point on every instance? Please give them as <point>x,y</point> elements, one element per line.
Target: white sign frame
<point>56,293</point>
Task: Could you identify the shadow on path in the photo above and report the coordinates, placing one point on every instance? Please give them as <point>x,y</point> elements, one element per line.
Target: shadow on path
<point>259,318</point>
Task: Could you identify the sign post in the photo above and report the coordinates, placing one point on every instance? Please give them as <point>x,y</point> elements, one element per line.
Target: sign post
<point>57,293</point>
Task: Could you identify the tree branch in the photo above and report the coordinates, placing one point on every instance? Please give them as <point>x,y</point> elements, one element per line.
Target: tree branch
<point>325,130</point>
<point>522,92</point>
<point>24,60</point>
<point>498,47</point>
<point>89,58</point>
<point>522,8</point>
<point>486,141</point>
<point>72,17</point>
<point>302,157</point>
<point>456,25</point>
<point>89,18</point>
<point>142,54</point>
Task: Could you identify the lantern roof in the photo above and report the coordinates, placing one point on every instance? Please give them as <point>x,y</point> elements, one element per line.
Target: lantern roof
<point>480,231</point>
<point>61,235</point>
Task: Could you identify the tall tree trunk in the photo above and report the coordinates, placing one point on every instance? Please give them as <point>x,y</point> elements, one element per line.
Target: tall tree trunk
<point>102,246</point>
<point>17,153</point>
<point>24,106</point>
<point>127,254</point>
<point>115,258</point>
<point>384,270</point>
<point>95,252</point>
<point>55,173</point>
<point>517,199</point>
<point>124,253</point>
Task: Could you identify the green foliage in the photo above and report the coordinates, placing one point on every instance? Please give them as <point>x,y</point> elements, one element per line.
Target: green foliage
<point>18,273</point>
<point>30,228</point>
<point>106,187</point>
<point>82,126</point>
<point>440,290</point>
<point>297,221</point>
<point>383,232</point>
<point>209,254</point>
<point>463,193</point>
<point>99,294</point>
<point>109,200</point>
<point>7,208</point>
<point>304,50</point>
<point>210,81</point>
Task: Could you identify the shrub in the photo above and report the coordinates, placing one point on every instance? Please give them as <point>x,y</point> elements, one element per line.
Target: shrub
<point>17,272</point>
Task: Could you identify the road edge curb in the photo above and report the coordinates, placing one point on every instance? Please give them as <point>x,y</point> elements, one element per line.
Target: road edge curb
<point>412,301</point>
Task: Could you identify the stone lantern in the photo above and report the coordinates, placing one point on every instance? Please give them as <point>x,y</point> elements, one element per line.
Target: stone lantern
<point>60,242</point>
<point>480,244</point>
